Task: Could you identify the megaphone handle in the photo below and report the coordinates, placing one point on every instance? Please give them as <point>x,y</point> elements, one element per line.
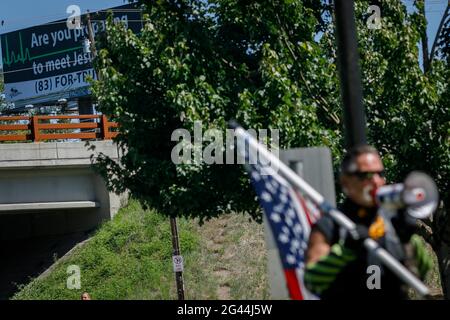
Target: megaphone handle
<point>400,270</point>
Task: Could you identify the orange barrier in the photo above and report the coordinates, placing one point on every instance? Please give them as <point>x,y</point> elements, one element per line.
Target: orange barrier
<point>38,126</point>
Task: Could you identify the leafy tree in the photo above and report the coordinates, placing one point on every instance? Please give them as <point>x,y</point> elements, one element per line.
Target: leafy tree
<point>268,64</point>
<point>210,62</point>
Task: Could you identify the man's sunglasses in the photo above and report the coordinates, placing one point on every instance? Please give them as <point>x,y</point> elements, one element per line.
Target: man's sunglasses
<point>367,175</point>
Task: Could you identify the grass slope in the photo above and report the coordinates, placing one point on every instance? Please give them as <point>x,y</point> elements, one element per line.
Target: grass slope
<point>130,258</point>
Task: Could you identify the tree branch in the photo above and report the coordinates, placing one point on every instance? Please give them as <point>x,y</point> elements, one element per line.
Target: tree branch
<point>321,101</point>
<point>426,232</point>
<point>441,25</point>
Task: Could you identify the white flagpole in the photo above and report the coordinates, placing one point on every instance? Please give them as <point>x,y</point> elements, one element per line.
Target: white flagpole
<point>372,246</point>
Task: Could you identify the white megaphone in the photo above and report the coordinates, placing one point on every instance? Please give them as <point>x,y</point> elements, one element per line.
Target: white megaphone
<point>418,195</point>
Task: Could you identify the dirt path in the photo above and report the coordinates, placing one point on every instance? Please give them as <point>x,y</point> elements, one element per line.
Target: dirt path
<point>234,258</point>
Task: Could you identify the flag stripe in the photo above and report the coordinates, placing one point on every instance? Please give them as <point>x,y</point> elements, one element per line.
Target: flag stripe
<point>305,210</point>
<point>293,284</point>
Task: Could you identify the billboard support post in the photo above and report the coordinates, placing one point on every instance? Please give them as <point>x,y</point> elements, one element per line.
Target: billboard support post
<point>91,37</point>
<point>85,106</point>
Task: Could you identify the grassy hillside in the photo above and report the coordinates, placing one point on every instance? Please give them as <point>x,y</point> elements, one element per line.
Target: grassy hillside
<point>130,258</point>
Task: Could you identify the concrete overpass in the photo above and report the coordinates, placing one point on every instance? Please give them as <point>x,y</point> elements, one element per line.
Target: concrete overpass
<point>51,188</point>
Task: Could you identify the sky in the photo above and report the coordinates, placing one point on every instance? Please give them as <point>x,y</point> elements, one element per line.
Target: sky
<point>19,14</point>
<point>434,10</point>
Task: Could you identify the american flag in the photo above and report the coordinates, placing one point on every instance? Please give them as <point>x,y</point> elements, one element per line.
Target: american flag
<point>290,217</point>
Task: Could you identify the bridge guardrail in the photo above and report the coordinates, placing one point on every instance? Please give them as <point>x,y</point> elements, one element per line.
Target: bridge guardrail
<point>44,128</point>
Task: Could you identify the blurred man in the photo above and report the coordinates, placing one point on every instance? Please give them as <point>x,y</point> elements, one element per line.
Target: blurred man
<point>337,265</point>
<point>85,296</point>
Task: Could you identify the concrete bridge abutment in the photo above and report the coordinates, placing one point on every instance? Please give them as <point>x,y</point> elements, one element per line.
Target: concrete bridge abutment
<point>52,189</point>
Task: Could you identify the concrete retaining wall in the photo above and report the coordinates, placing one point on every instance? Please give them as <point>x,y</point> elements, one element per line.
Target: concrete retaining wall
<point>59,173</point>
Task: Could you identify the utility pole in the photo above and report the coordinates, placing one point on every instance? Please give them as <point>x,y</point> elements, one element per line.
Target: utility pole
<point>91,36</point>
<point>85,104</point>
<point>177,258</point>
<point>350,74</point>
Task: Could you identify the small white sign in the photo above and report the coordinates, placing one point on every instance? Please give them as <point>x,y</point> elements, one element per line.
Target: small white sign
<point>177,263</point>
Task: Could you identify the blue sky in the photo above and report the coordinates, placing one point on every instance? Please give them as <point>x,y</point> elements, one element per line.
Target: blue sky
<point>19,14</point>
<point>434,10</point>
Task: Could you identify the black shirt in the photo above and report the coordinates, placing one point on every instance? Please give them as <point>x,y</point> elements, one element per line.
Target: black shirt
<point>351,282</point>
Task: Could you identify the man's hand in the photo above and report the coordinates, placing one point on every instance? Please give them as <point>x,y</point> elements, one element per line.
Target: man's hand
<point>324,263</point>
<point>318,247</point>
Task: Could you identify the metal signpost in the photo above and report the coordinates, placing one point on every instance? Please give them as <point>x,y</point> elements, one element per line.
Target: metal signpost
<point>177,259</point>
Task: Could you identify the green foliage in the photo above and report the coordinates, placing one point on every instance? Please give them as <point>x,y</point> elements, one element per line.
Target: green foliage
<point>128,255</point>
<point>212,63</point>
<point>268,64</point>
<point>130,258</point>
